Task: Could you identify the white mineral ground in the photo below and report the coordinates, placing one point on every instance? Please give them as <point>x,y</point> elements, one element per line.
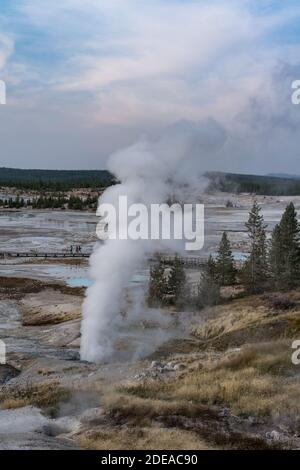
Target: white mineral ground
<point>41,329</point>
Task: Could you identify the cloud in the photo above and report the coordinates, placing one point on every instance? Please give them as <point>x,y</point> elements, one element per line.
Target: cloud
<point>157,61</point>
<point>139,65</point>
<point>6,49</point>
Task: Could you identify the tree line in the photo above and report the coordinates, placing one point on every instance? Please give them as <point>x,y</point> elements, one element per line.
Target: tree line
<point>270,265</point>
<point>51,202</point>
<point>55,180</point>
<point>254,184</point>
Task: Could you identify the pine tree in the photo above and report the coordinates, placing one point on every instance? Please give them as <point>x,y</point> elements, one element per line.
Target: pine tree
<point>176,284</point>
<point>255,269</point>
<point>276,257</point>
<point>167,286</point>
<point>290,248</point>
<point>211,268</point>
<point>157,284</point>
<point>225,270</point>
<point>208,288</point>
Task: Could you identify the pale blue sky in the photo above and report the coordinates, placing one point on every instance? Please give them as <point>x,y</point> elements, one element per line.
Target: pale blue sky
<point>87,77</point>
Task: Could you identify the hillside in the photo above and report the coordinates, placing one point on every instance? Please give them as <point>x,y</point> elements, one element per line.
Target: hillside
<point>65,180</point>
<point>233,387</point>
<point>258,184</point>
<point>58,180</point>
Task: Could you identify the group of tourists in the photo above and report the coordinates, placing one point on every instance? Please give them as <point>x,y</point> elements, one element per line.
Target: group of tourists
<point>75,249</point>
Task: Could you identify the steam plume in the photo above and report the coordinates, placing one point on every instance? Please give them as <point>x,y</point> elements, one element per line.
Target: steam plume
<point>150,172</point>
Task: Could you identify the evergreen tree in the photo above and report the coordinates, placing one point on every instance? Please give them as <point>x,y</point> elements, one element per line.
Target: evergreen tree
<point>290,249</point>
<point>176,283</point>
<point>211,268</point>
<point>209,287</point>
<point>225,270</point>
<point>255,269</point>
<point>167,286</point>
<point>276,257</point>
<point>157,284</point>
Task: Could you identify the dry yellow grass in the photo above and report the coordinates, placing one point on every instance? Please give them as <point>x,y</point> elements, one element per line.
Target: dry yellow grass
<point>245,391</point>
<point>258,381</point>
<point>138,410</point>
<point>43,395</point>
<point>231,317</point>
<point>251,317</point>
<point>12,403</point>
<point>268,357</point>
<point>148,438</point>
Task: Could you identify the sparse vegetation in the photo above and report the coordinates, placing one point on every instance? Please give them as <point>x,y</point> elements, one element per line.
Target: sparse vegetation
<point>45,395</point>
<point>248,319</point>
<point>142,438</point>
<point>252,382</point>
<point>280,302</point>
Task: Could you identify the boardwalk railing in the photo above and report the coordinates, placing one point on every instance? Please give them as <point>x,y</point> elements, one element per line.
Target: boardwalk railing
<point>187,261</point>
<point>41,254</point>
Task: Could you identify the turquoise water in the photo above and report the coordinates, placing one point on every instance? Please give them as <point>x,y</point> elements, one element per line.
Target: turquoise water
<point>72,275</point>
<point>139,277</point>
<point>237,255</point>
<point>79,282</point>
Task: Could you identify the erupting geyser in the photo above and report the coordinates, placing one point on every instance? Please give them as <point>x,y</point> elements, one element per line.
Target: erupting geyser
<point>149,172</point>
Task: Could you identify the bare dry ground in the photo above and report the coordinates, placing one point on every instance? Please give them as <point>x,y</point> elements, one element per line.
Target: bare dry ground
<point>50,307</point>
<point>232,385</point>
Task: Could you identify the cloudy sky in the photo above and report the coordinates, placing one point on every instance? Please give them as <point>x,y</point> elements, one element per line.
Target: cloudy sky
<point>88,77</point>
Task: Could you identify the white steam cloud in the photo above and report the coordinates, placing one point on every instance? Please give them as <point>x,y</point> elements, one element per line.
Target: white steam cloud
<point>149,172</point>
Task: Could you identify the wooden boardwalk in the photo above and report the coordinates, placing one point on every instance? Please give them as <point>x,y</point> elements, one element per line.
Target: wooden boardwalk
<point>41,254</point>
<point>188,261</point>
